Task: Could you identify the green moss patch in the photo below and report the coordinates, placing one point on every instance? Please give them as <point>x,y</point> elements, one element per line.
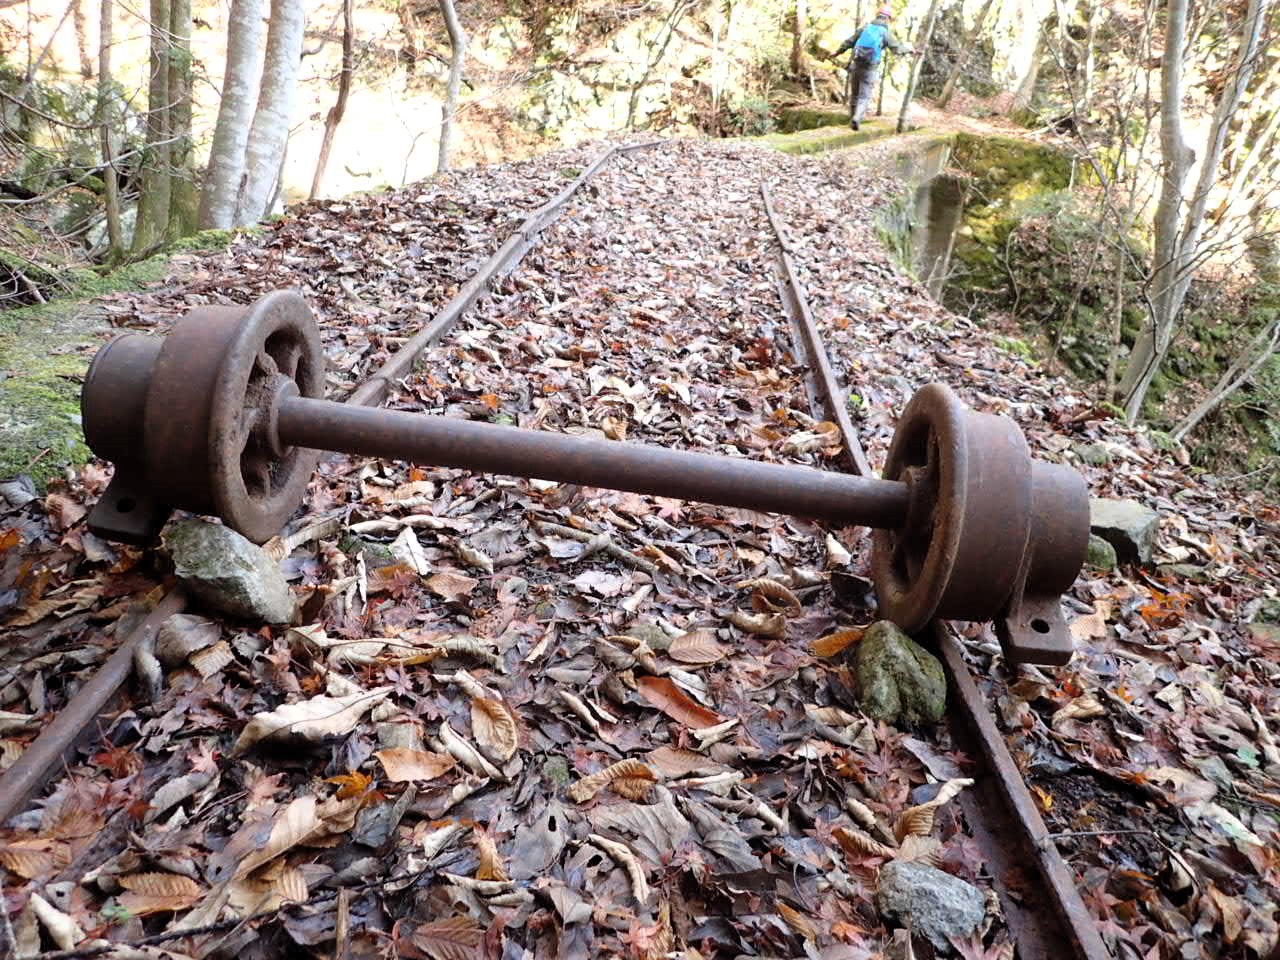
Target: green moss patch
<point>44,352</point>
<point>794,119</point>
<point>822,139</point>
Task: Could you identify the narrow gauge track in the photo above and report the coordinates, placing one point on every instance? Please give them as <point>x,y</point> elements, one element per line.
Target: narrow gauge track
<point>1037,932</point>
<point>78,719</point>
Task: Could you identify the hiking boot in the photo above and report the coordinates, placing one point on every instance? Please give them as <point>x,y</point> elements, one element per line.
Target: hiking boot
<point>855,124</point>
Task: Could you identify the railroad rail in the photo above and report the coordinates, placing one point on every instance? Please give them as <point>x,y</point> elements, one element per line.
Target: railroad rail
<point>1000,809</point>
<point>236,393</point>
<point>49,752</point>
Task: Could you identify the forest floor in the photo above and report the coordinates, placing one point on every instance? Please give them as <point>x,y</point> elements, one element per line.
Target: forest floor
<point>546,632</point>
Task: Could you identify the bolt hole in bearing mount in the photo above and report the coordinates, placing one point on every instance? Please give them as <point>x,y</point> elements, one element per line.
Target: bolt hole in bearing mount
<point>223,416</point>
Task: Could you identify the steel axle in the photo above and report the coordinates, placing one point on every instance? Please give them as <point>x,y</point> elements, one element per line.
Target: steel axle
<point>224,416</point>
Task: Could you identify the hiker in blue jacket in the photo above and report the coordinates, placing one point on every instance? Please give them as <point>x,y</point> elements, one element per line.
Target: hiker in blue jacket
<point>868,47</point>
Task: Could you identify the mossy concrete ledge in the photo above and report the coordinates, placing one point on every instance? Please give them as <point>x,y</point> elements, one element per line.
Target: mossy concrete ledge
<point>45,350</point>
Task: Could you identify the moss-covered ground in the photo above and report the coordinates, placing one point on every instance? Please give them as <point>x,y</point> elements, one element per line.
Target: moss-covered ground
<point>44,352</point>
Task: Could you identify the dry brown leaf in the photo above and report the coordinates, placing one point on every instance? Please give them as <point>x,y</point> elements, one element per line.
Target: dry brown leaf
<point>676,704</point>
<point>918,821</point>
<point>490,867</point>
<point>673,762</point>
<point>494,726</point>
<point>149,893</point>
<point>63,605</point>
<point>1080,708</point>
<point>630,778</point>
<point>454,938</point>
<point>798,922</point>
<point>403,765</point>
<point>314,719</point>
<point>761,624</point>
<point>160,885</point>
<point>835,643</point>
<point>697,647</point>
<point>773,596</point>
<point>1092,625</point>
<point>918,849</point>
<point>914,822</point>
<point>855,843</point>
<point>211,660</point>
<point>36,857</point>
<point>268,889</point>
<point>451,585</point>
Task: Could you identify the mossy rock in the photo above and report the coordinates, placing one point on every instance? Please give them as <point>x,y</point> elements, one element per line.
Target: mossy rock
<point>896,680</point>
<point>822,139</point>
<point>795,119</point>
<point>1100,555</point>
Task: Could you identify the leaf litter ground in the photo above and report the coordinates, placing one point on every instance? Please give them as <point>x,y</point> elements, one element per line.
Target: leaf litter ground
<point>528,719</point>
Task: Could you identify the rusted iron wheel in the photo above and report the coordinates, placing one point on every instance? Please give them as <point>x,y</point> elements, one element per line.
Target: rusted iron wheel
<point>203,401</point>
<point>960,553</point>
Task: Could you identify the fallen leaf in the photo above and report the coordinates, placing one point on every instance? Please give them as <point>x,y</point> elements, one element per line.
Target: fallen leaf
<point>859,845</point>
<point>675,703</point>
<point>494,727</point>
<point>834,643</point>
<point>769,596</point>
<point>314,719</point>
<point>403,765</point>
<point>454,938</point>
<point>451,585</point>
<point>762,624</point>
<point>798,922</point>
<point>697,647</point>
<point>490,867</point>
<point>630,778</point>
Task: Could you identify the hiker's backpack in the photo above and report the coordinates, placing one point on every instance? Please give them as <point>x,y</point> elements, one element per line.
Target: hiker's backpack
<point>870,43</point>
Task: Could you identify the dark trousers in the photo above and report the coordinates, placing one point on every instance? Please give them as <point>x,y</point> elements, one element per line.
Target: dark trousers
<point>865,78</point>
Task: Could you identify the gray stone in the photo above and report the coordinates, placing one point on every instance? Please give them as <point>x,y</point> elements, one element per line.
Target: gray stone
<point>934,904</point>
<point>1128,526</point>
<point>1101,555</point>
<point>1094,454</point>
<point>896,680</point>
<point>228,573</point>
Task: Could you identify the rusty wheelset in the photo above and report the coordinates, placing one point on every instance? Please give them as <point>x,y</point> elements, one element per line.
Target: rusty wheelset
<point>224,416</point>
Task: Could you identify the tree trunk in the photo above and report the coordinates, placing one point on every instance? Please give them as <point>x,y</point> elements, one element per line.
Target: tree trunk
<point>183,200</point>
<point>82,40</point>
<point>458,52</point>
<point>970,38</point>
<point>1178,237</point>
<point>1094,14</point>
<point>1023,96</point>
<point>106,118</point>
<point>239,85</point>
<point>926,34</point>
<point>344,88</point>
<point>153,197</point>
<point>1259,351</point>
<point>270,129</point>
<point>800,14</point>
<point>1117,319</point>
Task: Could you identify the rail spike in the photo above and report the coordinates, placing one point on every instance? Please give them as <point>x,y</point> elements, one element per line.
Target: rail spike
<point>224,416</point>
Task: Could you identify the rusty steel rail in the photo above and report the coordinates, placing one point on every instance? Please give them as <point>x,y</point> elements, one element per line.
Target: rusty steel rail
<point>1016,837</point>
<point>507,258</point>
<point>810,343</point>
<point>999,808</point>
<point>51,750</point>
<point>55,744</point>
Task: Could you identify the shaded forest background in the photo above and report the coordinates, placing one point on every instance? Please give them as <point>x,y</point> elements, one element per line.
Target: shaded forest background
<point>1072,232</point>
